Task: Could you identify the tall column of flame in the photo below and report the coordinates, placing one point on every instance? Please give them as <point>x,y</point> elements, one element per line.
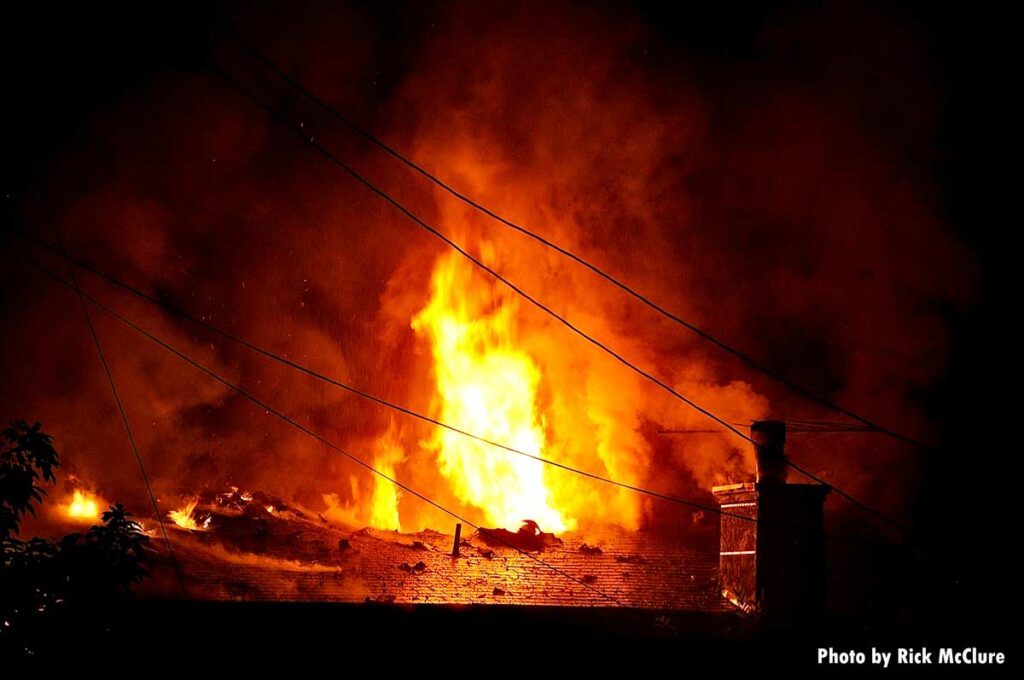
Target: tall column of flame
<point>487,386</point>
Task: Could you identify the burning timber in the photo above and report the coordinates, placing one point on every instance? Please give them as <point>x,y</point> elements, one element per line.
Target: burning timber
<point>529,537</point>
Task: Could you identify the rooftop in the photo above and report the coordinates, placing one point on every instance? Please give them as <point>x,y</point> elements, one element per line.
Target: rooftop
<point>294,557</point>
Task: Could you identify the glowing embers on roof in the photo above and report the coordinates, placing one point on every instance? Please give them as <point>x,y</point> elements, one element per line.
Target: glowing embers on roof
<point>186,517</point>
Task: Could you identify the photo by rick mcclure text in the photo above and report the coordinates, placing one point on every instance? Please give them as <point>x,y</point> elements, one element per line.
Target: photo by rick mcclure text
<point>909,656</point>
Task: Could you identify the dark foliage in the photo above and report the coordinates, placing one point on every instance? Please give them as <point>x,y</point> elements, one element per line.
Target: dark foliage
<point>50,590</point>
<point>28,458</point>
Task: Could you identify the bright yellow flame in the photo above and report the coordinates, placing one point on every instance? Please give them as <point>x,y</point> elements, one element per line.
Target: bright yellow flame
<point>378,506</point>
<point>487,386</point>
<point>185,518</point>
<point>384,512</point>
<point>84,506</point>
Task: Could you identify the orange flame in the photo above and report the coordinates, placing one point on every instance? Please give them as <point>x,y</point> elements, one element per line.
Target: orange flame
<point>379,508</point>
<point>384,510</point>
<point>185,518</point>
<point>486,385</point>
<point>84,506</point>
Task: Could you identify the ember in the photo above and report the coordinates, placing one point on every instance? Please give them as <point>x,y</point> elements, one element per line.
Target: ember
<point>185,517</point>
<point>234,499</point>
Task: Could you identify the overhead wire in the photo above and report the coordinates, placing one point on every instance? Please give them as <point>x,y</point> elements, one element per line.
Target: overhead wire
<point>171,309</point>
<point>565,252</point>
<point>316,374</point>
<point>117,399</point>
<point>351,171</point>
<point>328,443</point>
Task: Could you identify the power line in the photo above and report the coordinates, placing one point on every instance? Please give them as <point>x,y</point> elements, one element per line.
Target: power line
<point>860,504</point>
<point>326,442</point>
<point>826,426</point>
<point>705,335</point>
<point>117,398</point>
<point>712,509</point>
<point>294,423</point>
<point>415,414</point>
<point>326,153</point>
<point>372,397</point>
<point>790,429</point>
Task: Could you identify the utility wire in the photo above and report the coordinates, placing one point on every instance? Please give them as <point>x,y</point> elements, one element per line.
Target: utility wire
<point>305,430</point>
<point>117,398</point>
<point>326,153</point>
<point>860,504</point>
<point>626,288</point>
<point>374,398</point>
<point>790,429</point>
<point>712,509</point>
<point>334,447</point>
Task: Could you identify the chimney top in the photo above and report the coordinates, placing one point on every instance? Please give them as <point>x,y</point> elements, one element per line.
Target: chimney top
<point>769,448</point>
<point>768,432</point>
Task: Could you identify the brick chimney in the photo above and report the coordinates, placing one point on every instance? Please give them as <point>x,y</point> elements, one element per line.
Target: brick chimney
<point>773,563</point>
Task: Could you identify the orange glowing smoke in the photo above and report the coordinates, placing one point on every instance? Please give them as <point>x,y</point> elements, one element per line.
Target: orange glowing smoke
<point>486,385</point>
<point>185,517</point>
<point>84,506</point>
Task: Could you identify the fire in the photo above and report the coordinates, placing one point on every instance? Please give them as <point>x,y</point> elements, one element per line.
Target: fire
<point>185,517</point>
<point>486,385</point>
<point>84,506</point>
<point>378,507</point>
<point>384,508</point>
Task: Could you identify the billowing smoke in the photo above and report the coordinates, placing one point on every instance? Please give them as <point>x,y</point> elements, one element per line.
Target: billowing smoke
<point>780,200</point>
